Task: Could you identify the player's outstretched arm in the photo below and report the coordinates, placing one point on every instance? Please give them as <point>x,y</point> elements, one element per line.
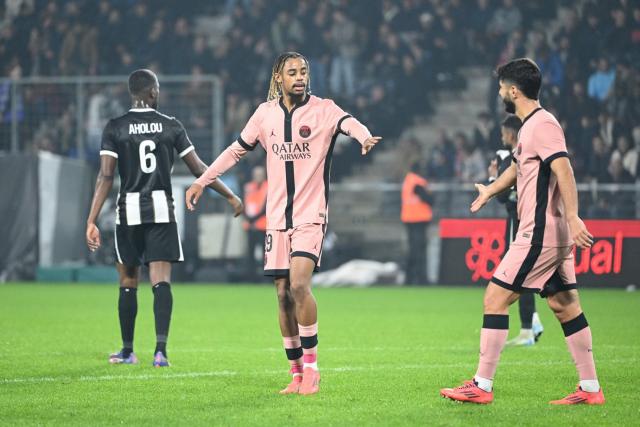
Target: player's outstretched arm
<point>198,168</point>
<point>351,126</point>
<point>225,161</point>
<point>104,183</point>
<point>485,192</point>
<point>563,171</point>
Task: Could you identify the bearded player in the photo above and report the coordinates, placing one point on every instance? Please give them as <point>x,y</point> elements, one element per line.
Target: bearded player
<point>540,259</point>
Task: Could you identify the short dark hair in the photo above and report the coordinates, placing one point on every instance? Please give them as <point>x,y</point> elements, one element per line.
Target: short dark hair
<point>512,122</point>
<point>524,73</point>
<point>141,81</point>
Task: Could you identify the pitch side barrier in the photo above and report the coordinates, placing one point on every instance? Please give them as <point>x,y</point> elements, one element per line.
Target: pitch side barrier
<point>472,248</point>
<point>465,249</point>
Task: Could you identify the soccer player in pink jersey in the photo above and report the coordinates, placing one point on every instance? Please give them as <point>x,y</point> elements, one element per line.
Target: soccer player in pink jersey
<point>298,131</point>
<point>541,257</point>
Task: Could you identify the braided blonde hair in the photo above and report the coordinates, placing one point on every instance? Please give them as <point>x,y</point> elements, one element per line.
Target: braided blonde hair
<point>275,88</point>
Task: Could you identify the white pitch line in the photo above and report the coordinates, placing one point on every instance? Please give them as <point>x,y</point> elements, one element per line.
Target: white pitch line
<point>465,348</point>
<point>144,377</point>
<point>235,349</point>
<point>227,373</point>
<point>150,377</point>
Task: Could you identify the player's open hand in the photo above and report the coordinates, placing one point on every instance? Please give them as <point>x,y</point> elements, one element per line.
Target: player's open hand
<point>93,237</point>
<point>193,195</point>
<point>236,204</point>
<point>579,233</point>
<point>483,197</point>
<point>369,143</point>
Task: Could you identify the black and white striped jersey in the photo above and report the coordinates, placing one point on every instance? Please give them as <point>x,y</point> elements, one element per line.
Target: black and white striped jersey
<point>143,140</point>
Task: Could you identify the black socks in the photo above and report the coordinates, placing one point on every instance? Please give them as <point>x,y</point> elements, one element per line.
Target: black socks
<point>162,307</point>
<point>527,305</point>
<point>127,311</point>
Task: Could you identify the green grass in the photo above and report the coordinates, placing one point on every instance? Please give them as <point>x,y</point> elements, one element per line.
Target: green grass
<point>384,354</point>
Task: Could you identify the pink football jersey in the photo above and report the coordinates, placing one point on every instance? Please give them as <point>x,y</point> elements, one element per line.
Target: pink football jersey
<point>540,208</point>
<point>299,146</point>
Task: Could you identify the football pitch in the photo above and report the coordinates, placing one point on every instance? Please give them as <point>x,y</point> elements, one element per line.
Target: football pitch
<point>384,353</point>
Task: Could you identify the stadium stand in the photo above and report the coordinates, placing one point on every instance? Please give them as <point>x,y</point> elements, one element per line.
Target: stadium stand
<point>391,63</point>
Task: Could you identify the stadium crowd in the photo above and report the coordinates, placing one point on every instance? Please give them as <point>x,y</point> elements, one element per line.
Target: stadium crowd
<point>590,63</point>
<point>386,61</point>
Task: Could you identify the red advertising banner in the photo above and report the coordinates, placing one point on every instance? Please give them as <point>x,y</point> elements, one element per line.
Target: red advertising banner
<point>472,249</point>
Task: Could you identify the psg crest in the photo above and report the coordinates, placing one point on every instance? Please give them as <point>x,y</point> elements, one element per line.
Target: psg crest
<point>305,131</point>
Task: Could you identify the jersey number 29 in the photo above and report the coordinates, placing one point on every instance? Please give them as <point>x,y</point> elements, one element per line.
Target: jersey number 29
<point>147,158</point>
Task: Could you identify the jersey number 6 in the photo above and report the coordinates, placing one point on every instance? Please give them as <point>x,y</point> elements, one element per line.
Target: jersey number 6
<point>147,159</point>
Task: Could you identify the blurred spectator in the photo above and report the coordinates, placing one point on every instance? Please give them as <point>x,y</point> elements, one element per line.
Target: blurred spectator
<point>635,31</point>
<point>601,81</point>
<point>416,214</point>
<point>411,89</point>
<point>626,155</point>
<point>344,40</point>
<point>618,38</point>
<point>178,55</point>
<point>7,115</point>
<point>486,133</point>
<point>577,105</point>
<point>255,208</point>
<point>286,32</point>
<point>479,38</point>
<point>579,138</point>
<point>635,134</point>
<point>505,19</point>
<point>513,48</point>
<point>606,128</point>
<point>317,51</point>
<point>441,158</point>
<point>448,44</point>
<point>470,163</point>
<point>598,160</point>
<point>625,102</point>
<point>617,172</point>
<point>551,67</point>
<point>237,113</point>
<point>406,20</point>
<point>380,112</point>
<point>588,36</point>
<point>624,202</point>
<point>155,43</point>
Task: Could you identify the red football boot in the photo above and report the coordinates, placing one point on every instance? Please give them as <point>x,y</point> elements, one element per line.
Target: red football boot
<point>581,396</point>
<point>468,392</point>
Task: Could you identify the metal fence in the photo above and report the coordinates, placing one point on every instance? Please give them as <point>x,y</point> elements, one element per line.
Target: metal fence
<point>452,200</point>
<point>66,115</point>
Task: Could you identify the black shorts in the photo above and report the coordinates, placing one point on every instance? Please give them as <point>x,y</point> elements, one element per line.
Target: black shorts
<point>146,243</point>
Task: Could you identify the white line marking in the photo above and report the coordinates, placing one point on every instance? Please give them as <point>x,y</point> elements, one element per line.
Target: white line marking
<point>464,348</point>
<point>227,373</point>
<point>471,348</point>
<point>118,377</point>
